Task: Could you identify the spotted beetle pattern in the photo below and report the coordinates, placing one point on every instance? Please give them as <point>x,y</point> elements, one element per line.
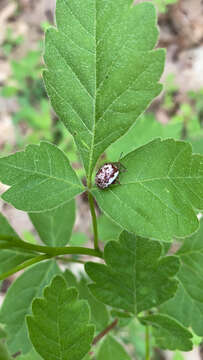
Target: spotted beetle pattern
<point>107,175</point>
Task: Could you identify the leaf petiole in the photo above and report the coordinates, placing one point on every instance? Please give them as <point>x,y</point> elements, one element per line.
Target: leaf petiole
<point>58,251</point>
<point>24,265</point>
<point>94,220</point>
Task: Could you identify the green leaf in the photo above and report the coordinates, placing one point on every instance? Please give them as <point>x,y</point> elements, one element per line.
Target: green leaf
<point>112,349</point>
<point>17,303</point>
<point>102,69</point>
<point>99,313</point>
<point>187,304</point>
<point>134,278</point>
<point>40,177</point>
<point>107,229</point>
<point>60,319</point>
<point>143,131</point>
<point>159,192</point>
<point>55,226</point>
<point>169,333</point>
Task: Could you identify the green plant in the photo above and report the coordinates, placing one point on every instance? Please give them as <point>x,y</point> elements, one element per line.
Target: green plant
<point>102,73</point>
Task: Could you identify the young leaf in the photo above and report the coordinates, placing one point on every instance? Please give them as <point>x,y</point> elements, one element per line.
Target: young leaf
<point>134,278</point>
<point>99,313</point>
<point>169,333</point>
<point>60,319</point>
<point>102,70</point>
<point>187,304</point>
<point>159,191</point>
<point>17,303</point>
<point>112,349</point>
<point>40,177</point>
<point>55,226</point>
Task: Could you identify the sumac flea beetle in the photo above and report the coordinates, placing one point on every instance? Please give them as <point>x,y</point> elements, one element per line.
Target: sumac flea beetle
<point>108,174</point>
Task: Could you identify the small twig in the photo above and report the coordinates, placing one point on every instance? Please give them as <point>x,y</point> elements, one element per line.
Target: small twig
<point>104,332</point>
<point>94,221</point>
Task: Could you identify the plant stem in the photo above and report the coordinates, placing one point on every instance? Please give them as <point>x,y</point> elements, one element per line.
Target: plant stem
<point>94,220</point>
<point>147,348</point>
<point>24,265</point>
<point>49,250</point>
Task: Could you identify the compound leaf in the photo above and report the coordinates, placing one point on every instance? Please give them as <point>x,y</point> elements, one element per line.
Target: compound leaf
<point>134,278</point>
<point>187,304</point>
<point>102,69</point>
<point>40,177</point>
<point>17,303</point>
<point>55,226</point>
<point>159,192</point>
<point>59,328</point>
<point>112,349</point>
<point>169,333</point>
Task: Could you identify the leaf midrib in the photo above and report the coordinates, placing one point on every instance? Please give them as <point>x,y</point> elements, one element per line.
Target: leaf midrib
<point>34,172</point>
<point>89,174</point>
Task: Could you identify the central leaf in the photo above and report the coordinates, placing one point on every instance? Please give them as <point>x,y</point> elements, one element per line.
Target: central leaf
<point>102,70</point>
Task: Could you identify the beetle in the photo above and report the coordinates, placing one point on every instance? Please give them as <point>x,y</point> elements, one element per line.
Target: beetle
<point>108,174</point>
